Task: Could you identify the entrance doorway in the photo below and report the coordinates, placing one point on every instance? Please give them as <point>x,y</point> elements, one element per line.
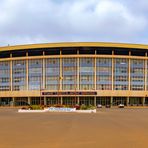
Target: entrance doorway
<point>37,101</point>
<point>135,101</point>
<point>6,102</point>
<point>146,101</point>
<point>53,100</point>
<point>103,101</point>
<point>86,100</point>
<point>69,100</point>
<point>21,101</point>
<point>119,100</point>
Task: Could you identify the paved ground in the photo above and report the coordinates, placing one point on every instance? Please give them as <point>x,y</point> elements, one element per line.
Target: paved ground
<point>108,128</point>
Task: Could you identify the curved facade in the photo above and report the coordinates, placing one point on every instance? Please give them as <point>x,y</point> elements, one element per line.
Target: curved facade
<point>74,73</point>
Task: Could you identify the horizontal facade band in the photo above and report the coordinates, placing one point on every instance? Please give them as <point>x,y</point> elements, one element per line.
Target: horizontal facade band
<point>104,93</point>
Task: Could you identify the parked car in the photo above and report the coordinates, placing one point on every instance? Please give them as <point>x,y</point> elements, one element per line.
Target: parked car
<point>108,106</point>
<point>121,105</point>
<point>99,106</point>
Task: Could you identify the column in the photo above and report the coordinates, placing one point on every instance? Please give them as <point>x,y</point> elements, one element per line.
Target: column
<point>95,101</point>
<point>146,72</point>
<point>27,87</point>
<point>129,72</point>
<point>61,100</point>
<point>111,101</point>
<point>78,100</point>
<point>11,72</point>
<point>13,100</point>
<point>95,80</point>
<point>43,76</point>
<point>127,101</point>
<point>143,101</point>
<point>112,71</point>
<point>45,101</point>
<point>60,77</point>
<point>78,66</point>
<point>29,100</point>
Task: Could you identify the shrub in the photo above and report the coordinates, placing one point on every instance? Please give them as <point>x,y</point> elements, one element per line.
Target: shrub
<point>36,107</point>
<point>91,107</point>
<point>83,107</point>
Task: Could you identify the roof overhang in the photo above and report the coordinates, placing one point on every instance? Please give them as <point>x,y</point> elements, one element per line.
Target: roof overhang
<point>74,44</point>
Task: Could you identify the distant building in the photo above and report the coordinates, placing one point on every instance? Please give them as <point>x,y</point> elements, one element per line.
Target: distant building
<point>74,73</point>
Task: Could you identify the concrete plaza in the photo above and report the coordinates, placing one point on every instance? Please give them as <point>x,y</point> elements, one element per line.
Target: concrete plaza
<point>108,128</point>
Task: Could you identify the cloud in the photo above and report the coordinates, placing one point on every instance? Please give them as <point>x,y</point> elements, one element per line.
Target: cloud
<point>37,21</point>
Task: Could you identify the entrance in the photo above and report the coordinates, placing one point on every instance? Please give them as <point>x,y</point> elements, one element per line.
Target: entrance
<point>119,100</point>
<point>103,101</point>
<point>21,102</point>
<point>86,100</point>
<point>6,102</point>
<point>53,100</point>
<point>146,101</point>
<point>37,101</point>
<point>136,101</point>
<point>69,100</point>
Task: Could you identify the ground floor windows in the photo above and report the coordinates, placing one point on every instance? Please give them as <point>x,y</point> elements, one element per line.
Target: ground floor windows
<point>37,101</point>
<point>53,100</point>
<point>70,100</point>
<point>119,100</point>
<point>103,101</point>
<point>6,102</point>
<point>146,101</point>
<point>86,100</point>
<point>113,101</point>
<point>21,101</point>
<point>135,101</point>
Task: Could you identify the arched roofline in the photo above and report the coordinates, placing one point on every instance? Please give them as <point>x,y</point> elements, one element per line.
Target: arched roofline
<point>74,44</point>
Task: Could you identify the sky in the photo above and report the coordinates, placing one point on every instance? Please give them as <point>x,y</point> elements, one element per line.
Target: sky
<point>45,21</point>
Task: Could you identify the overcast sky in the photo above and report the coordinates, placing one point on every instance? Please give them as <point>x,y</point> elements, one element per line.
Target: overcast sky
<point>43,21</point>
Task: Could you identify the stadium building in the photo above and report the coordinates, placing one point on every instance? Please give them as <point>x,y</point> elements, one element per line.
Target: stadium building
<point>74,73</point>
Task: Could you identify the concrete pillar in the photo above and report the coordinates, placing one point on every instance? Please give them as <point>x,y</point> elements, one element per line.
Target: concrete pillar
<point>61,75</point>
<point>112,71</point>
<point>61,100</point>
<point>29,100</point>
<point>127,101</point>
<point>13,101</point>
<point>145,72</point>
<point>95,101</point>
<point>78,60</point>
<point>95,75</point>
<point>111,101</point>
<point>27,71</point>
<point>143,101</point>
<point>43,76</point>
<point>45,101</point>
<point>11,72</point>
<point>129,72</point>
<point>78,100</point>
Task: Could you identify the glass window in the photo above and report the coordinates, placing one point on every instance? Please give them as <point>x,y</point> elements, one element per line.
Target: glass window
<point>104,73</point>
<point>19,75</point>
<point>86,74</point>
<point>52,74</point>
<point>35,74</point>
